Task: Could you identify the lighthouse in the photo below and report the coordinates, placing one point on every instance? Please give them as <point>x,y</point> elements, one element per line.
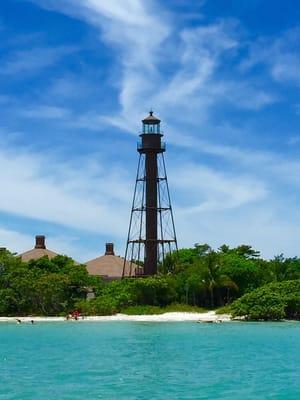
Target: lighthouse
<point>151,234</point>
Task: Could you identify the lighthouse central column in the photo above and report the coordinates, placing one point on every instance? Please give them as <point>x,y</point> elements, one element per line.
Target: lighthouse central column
<point>151,228</point>
<point>150,267</point>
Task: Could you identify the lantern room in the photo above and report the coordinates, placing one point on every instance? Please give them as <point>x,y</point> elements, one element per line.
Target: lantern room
<point>151,124</point>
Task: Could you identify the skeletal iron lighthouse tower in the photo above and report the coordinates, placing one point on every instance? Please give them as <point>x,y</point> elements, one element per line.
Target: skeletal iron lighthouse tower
<point>151,232</point>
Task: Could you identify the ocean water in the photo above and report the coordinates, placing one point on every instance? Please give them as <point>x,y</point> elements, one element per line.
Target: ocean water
<point>134,360</point>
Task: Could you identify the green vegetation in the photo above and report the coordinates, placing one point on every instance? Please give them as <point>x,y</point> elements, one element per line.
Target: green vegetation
<point>42,287</point>
<point>150,310</point>
<point>224,310</point>
<point>274,301</point>
<point>235,279</point>
<point>144,310</point>
<point>116,296</point>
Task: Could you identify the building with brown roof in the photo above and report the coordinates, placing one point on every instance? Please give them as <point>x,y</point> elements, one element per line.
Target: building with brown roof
<point>38,251</point>
<point>110,266</point>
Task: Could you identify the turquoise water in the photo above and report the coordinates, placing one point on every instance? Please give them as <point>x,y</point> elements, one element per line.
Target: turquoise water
<point>122,360</point>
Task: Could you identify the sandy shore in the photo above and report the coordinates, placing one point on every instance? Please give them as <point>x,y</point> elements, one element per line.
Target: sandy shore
<point>210,316</point>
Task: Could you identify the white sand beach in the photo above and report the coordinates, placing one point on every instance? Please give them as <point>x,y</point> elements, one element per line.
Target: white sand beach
<point>209,316</point>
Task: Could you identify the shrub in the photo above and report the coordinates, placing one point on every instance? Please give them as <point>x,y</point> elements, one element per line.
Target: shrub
<point>224,310</point>
<point>274,301</point>
<point>97,306</point>
<point>157,290</point>
<point>150,310</point>
<point>143,310</point>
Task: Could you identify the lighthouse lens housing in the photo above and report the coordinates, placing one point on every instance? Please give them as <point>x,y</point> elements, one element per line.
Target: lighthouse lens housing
<point>151,128</point>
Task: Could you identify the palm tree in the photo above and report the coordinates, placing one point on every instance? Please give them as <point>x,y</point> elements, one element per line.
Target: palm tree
<point>213,279</point>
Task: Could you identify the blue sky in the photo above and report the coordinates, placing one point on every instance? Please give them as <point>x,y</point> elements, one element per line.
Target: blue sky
<point>76,78</point>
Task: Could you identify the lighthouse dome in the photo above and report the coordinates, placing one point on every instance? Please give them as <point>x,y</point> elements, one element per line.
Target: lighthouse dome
<point>151,119</point>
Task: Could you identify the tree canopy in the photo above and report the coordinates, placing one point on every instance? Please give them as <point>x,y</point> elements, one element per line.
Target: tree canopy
<point>42,287</point>
<point>192,277</point>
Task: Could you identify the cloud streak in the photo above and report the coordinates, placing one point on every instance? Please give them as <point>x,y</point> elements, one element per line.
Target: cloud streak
<point>280,56</point>
<point>62,195</point>
<point>231,182</point>
<point>146,43</point>
<point>219,191</point>
<point>34,60</point>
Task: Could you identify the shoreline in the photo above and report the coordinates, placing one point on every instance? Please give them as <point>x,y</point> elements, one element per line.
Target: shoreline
<point>206,317</point>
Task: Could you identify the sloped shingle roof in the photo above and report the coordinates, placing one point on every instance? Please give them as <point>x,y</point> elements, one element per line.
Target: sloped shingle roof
<point>38,251</point>
<point>35,254</point>
<point>110,266</point>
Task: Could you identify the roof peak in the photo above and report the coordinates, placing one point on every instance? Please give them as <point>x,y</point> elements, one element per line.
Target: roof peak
<point>151,119</point>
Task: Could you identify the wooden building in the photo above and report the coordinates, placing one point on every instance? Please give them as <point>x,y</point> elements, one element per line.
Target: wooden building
<point>110,266</point>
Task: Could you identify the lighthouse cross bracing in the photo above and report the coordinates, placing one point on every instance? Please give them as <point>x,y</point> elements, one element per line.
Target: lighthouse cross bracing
<point>151,234</point>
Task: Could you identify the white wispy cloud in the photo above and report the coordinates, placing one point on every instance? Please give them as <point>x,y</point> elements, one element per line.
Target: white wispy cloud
<point>146,42</point>
<point>247,96</point>
<point>86,199</point>
<point>200,52</point>
<point>262,227</point>
<point>63,194</point>
<point>281,56</point>
<point>70,86</point>
<point>18,242</point>
<point>179,72</point>
<point>45,112</point>
<point>15,241</point>
<point>131,24</point>
<point>31,61</point>
<point>211,190</point>
<point>210,205</point>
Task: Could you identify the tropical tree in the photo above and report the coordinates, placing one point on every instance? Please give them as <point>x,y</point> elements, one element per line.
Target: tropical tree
<point>282,269</point>
<point>216,280</point>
